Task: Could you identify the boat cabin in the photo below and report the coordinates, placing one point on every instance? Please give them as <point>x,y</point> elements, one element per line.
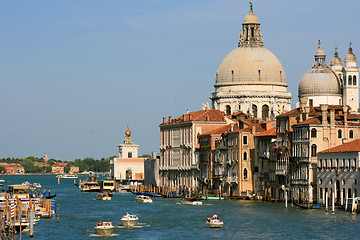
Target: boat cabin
<point>108,185</point>
<point>20,191</point>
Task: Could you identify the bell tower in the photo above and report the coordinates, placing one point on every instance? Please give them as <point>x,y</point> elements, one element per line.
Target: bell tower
<point>351,81</point>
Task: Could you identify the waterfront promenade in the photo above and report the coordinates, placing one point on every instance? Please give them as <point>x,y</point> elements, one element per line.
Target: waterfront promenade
<point>167,219</point>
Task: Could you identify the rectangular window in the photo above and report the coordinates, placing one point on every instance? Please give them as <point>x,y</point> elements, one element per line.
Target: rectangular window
<point>245,140</point>
<point>129,154</point>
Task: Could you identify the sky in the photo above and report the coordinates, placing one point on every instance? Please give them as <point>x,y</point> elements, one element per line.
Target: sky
<point>75,74</point>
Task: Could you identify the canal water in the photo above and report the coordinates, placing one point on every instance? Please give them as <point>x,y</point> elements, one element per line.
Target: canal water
<point>167,219</point>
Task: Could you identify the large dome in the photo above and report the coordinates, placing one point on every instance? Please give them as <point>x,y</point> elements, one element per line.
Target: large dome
<point>249,65</point>
<point>319,81</point>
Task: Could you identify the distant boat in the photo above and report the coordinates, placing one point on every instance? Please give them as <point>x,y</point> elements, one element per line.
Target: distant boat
<point>143,199</point>
<point>37,185</point>
<point>103,196</point>
<point>214,222</point>
<point>129,220</point>
<point>191,201</point>
<point>92,185</point>
<point>104,228</point>
<point>50,196</point>
<point>69,176</point>
<point>2,180</point>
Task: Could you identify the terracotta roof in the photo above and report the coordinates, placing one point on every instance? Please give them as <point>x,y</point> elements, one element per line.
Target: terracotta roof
<point>221,130</point>
<point>213,115</point>
<point>270,132</point>
<point>313,120</point>
<point>353,146</point>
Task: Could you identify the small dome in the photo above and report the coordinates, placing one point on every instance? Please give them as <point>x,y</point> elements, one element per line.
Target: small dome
<point>350,57</point>
<point>336,61</point>
<point>319,81</point>
<point>251,18</point>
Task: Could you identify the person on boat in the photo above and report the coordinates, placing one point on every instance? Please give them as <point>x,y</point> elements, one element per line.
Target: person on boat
<point>208,219</point>
<point>100,223</point>
<point>49,193</point>
<point>215,216</point>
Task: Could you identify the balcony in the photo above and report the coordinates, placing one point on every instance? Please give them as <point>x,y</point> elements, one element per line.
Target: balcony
<point>299,181</point>
<point>281,172</point>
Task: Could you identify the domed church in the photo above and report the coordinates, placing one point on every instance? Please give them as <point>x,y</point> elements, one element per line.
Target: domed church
<point>336,86</point>
<point>251,79</point>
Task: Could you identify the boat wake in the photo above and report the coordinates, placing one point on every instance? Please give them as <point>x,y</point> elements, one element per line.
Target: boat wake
<point>139,225</point>
<point>98,235</point>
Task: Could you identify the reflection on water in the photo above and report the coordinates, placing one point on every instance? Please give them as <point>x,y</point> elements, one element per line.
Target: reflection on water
<point>167,219</point>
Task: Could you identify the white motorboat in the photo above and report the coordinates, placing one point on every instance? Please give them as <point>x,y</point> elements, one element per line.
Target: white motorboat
<point>143,199</point>
<point>103,196</point>
<point>104,228</point>
<point>214,222</point>
<point>70,176</point>
<point>129,220</point>
<point>190,201</point>
<point>37,185</point>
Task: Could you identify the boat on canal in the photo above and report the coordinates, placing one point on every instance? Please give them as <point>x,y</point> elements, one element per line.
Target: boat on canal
<point>214,222</point>
<point>143,199</point>
<point>191,201</point>
<point>104,228</point>
<point>67,176</point>
<point>91,185</point>
<point>129,220</point>
<point>103,196</point>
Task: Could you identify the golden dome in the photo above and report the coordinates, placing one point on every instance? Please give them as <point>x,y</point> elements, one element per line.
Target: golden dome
<point>127,133</point>
<point>248,65</point>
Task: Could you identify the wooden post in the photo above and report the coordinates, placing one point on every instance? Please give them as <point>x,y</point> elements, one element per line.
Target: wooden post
<point>342,198</point>
<point>58,180</point>
<point>326,202</point>
<point>346,202</point>
<point>353,208</point>
<point>58,211</point>
<point>286,199</point>
<point>333,202</point>
<point>31,222</point>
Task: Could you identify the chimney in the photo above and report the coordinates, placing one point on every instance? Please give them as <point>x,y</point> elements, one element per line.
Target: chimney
<point>332,116</point>
<point>303,102</point>
<point>189,117</point>
<point>164,119</point>
<point>153,155</point>
<point>170,119</point>
<point>324,108</point>
<point>345,110</point>
<point>307,110</point>
<point>253,129</point>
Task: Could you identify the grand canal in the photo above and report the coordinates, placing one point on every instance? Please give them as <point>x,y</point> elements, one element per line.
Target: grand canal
<point>167,219</point>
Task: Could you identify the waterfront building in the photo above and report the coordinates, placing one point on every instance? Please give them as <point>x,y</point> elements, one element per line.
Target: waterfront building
<point>251,79</point>
<point>58,168</point>
<point>73,169</point>
<point>330,126</point>
<point>338,172</point>
<point>12,168</point>
<point>151,168</point>
<point>179,165</point>
<point>336,86</point>
<point>234,168</point>
<point>128,166</point>
<point>268,187</point>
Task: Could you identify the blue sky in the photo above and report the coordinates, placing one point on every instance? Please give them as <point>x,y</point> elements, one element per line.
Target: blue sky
<point>74,74</point>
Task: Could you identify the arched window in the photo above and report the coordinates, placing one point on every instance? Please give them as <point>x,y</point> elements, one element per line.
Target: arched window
<point>339,133</point>
<point>228,110</point>
<point>351,134</point>
<point>350,80</point>
<point>128,174</point>
<point>313,150</point>
<point>265,112</point>
<point>245,156</point>
<point>254,110</point>
<point>313,133</point>
<point>245,174</point>
<point>354,80</point>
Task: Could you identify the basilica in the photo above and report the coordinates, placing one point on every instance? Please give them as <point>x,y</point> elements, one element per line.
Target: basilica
<point>251,79</point>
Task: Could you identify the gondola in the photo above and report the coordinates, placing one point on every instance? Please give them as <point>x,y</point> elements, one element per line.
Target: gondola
<point>307,206</point>
<point>51,196</point>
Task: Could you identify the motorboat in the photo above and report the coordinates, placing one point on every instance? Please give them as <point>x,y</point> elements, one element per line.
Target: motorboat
<point>214,222</point>
<point>37,185</point>
<point>2,180</point>
<point>191,201</point>
<point>103,196</point>
<point>143,199</point>
<point>104,228</point>
<point>129,220</point>
<point>92,185</point>
<point>67,176</point>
